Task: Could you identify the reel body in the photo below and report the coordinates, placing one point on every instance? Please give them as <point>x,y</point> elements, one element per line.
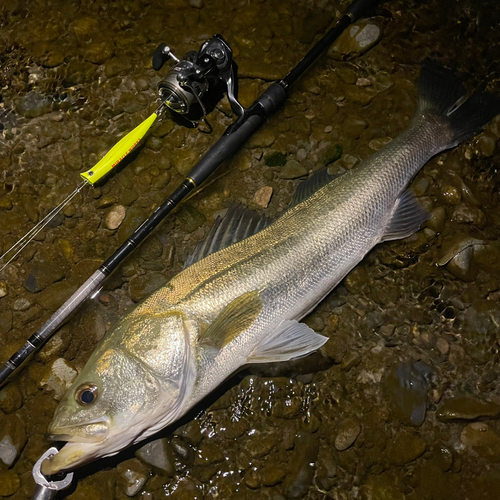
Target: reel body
<point>193,75</point>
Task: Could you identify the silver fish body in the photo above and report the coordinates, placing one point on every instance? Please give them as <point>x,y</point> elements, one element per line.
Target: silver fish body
<point>242,304</point>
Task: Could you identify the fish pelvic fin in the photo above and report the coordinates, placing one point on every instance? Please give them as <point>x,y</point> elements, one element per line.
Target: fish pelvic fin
<point>233,320</point>
<point>291,340</point>
<point>442,94</point>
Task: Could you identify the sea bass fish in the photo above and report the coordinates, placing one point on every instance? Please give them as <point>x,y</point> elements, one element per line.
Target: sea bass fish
<point>242,303</point>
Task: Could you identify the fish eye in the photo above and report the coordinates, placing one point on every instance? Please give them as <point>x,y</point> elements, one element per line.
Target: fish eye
<point>86,394</point>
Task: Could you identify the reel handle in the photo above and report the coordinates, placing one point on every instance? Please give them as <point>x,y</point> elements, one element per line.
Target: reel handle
<point>161,55</point>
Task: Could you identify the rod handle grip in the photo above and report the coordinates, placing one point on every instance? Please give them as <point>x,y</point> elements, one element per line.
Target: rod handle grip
<point>118,152</point>
<point>359,7</point>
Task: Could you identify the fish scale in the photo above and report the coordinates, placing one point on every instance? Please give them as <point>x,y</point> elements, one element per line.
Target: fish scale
<point>242,304</point>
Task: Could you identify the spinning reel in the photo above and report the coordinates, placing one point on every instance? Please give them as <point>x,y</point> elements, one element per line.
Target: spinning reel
<point>191,77</point>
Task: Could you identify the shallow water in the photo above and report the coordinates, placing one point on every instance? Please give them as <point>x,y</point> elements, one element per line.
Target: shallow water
<point>357,419</point>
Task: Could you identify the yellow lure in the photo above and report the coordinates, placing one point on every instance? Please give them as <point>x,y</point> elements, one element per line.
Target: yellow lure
<point>116,154</point>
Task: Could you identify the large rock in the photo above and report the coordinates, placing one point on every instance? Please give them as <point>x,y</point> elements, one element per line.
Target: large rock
<point>356,40</point>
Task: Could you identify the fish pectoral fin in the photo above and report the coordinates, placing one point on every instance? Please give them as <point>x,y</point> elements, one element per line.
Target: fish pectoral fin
<point>407,217</point>
<point>233,320</point>
<point>291,340</point>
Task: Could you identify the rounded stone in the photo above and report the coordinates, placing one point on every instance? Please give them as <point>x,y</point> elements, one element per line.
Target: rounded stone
<point>132,476</point>
<point>466,408</point>
<point>4,289</point>
<point>11,398</point>
<point>405,447</point>
<point>262,198</point>
<point>293,170</point>
<point>348,432</point>
<point>115,217</point>
<point>9,483</point>
<point>12,438</point>
<point>356,40</point>
<point>483,439</point>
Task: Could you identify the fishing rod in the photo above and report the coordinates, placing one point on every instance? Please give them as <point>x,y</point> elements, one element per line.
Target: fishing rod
<point>179,93</point>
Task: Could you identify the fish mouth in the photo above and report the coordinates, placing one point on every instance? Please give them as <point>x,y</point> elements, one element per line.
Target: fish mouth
<point>71,455</point>
<point>94,431</point>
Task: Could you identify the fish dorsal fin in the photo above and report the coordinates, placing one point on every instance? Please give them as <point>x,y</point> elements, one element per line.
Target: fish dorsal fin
<point>238,223</point>
<point>234,319</point>
<point>308,187</point>
<point>291,340</point>
<point>407,217</point>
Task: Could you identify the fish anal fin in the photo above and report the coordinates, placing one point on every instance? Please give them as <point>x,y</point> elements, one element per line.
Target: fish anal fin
<point>407,217</point>
<point>233,320</point>
<point>291,340</point>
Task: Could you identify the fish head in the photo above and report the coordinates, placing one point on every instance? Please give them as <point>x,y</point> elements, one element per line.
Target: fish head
<point>106,407</point>
<point>120,397</point>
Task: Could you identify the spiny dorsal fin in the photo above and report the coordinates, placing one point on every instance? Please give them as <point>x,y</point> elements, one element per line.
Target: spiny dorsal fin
<point>308,187</point>
<point>238,223</point>
<point>407,217</point>
<point>234,319</point>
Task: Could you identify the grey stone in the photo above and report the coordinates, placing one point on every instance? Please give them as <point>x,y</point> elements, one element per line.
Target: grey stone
<point>159,455</point>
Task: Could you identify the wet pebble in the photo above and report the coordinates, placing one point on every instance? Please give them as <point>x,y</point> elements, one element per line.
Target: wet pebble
<point>451,195</point>
<point>115,217</point>
<point>293,170</point>
<point>132,476</point>
<point>348,432</point>
<point>252,477</point>
<point>356,40</point>
<point>485,144</point>
<point>190,219</point>
<point>106,201</point>
<point>158,454</point>
<point>262,197</point>
<point>483,439</point>
<point>405,447</point>
<point>466,408</point>
<point>406,386</point>
<point>465,214</point>
<point>42,275</point>
<point>143,285</point>
<point>151,250</point>
<point>99,52</point>
<point>437,219</point>
<point>272,474</point>
<point>443,346</point>
<point>11,398</point>
<point>263,138</point>
<point>12,438</point>
<point>329,153</point>
<point>376,144</point>
<point>21,304</point>
<point>9,483</point>
<point>33,105</point>
<point>301,471</point>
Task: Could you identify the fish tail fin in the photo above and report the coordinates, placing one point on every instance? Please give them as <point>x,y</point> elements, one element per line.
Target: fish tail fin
<point>442,94</point>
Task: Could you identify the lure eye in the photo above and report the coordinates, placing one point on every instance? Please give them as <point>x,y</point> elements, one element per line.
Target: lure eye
<point>86,394</point>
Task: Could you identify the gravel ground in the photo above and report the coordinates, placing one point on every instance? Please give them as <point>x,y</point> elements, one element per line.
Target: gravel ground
<point>402,402</point>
